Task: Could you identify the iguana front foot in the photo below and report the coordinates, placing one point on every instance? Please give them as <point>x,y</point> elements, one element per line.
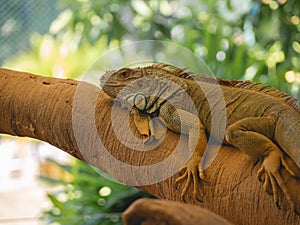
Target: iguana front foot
<point>269,174</point>
<point>191,175</point>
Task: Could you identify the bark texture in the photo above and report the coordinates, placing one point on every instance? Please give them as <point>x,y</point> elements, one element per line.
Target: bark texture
<point>57,111</point>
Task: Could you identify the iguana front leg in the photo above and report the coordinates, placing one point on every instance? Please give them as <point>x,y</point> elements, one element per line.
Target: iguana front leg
<point>253,137</point>
<point>179,121</point>
<point>182,121</point>
<point>191,172</point>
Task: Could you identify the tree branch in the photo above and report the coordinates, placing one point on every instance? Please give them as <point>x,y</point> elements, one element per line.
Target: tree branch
<point>60,111</point>
<point>153,212</point>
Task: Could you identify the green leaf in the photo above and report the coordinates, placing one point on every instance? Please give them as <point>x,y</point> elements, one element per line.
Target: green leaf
<point>58,204</point>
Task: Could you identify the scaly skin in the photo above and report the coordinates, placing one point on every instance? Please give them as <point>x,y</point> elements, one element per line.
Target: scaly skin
<point>260,121</point>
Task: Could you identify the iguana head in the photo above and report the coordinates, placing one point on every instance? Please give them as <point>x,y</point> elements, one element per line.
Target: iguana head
<point>112,82</point>
<point>141,86</point>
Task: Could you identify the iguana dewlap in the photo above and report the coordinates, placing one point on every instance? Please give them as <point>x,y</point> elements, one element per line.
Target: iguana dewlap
<point>260,121</point>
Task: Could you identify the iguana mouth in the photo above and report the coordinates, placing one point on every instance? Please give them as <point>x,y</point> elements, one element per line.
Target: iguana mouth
<point>112,84</point>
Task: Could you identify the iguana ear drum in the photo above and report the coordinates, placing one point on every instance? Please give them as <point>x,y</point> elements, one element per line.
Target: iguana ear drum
<point>140,101</point>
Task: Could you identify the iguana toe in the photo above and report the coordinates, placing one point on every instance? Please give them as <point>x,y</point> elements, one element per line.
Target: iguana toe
<point>269,174</point>
<point>191,176</point>
<point>265,179</point>
<point>203,176</point>
<point>290,166</point>
<point>185,176</point>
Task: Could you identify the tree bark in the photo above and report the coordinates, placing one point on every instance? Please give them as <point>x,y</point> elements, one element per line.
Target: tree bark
<point>66,114</point>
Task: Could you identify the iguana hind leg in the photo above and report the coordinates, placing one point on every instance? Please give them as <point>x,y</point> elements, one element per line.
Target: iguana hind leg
<point>269,174</point>
<point>253,137</point>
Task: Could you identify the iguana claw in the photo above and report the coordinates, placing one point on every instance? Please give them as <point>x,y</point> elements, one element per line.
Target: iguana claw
<point>191,174</point>
<point>269,175</point>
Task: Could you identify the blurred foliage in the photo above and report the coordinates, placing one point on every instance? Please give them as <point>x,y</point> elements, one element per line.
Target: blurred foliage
<point>87,196</point>
<point>256,40</point>
<point>259,40</point>
<point>19,19</point>
<point>52,56</point>
<point>253,39</point>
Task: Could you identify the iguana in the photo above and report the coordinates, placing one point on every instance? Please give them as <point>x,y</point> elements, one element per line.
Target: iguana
<point>260,120</point>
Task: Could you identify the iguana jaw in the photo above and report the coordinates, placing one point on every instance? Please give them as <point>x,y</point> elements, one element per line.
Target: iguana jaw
<point>112,82</point>
<point>112,88</point>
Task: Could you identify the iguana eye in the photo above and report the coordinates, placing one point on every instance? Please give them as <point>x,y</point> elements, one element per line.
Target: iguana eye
<point>124,73</point>
<point>140,101</point>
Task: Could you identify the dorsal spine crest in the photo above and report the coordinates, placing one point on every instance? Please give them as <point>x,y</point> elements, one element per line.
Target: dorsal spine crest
<point>249,85</point>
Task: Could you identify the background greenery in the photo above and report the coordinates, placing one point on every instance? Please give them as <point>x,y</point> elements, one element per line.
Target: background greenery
<point>256,40</point>
<point>86,196</point>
